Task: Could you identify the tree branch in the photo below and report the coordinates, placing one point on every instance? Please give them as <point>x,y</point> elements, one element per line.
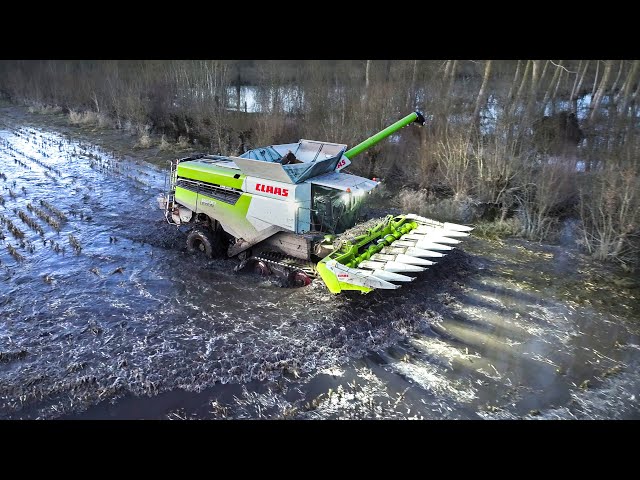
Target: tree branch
<point>568,71</point>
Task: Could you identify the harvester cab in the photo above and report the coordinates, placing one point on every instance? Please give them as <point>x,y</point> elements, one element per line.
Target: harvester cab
<point>282,209</point>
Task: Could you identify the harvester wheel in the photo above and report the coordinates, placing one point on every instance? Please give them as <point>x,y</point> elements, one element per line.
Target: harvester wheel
<point>261,268</point>
<point>200,240</point>
<point>299,279</point>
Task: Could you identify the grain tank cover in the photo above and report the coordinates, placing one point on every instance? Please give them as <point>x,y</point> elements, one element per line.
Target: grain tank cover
<point>291,162</point>
<point>346,183</point>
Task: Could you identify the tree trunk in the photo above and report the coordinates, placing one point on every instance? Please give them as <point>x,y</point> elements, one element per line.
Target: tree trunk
<point>626,88</point>
<point>448,77</point>
<point>555,93</point>
<point>636,93</point>
<point>544,71</point>
<point>366,75</point>
<point>554,81</point>
<point>523,83</point>
<point>445,77</point>
<point>533,92</point>
<point>511,129</point>
<point>575,83</point>
<point>411,95</point>
<point>450,81</point>
<point>576,89</point>
<point>366,82</point>
<point>373,160</point>
<point>615,82</point>
<point>238,91</point>
<point>595,81</point>
<point>512,88</point>
<point>597,99</point>
<point>482,95</point>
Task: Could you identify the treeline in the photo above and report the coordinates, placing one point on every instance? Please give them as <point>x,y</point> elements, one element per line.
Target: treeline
<point>523,144</point>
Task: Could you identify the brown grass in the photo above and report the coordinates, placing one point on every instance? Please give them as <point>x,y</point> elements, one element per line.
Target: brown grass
<point>75,243</point>
<point>164,145</point>
<point>144,141</point>
<point>421,202</point>
<point>42,109</point>
<point>183,141</point>
<point>14,253</point>
<point>498,229</point>
<point>55,211</point>
<point>90,118</point>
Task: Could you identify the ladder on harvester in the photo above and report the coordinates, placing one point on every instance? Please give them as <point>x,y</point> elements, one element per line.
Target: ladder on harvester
<point>169,197</point>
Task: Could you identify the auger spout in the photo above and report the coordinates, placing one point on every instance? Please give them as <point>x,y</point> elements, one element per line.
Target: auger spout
<point>371,141</point>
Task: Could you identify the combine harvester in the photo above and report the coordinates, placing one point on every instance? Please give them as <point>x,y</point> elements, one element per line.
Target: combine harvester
<point>282,209</point>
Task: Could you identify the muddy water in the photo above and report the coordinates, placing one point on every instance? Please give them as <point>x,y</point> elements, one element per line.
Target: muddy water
<point>131,326</point>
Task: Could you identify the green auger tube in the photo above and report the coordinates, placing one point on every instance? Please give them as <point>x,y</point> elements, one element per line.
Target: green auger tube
<point>382,134</point>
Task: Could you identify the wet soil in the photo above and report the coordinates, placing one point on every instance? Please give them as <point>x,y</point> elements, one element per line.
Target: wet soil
<point>103,314</point>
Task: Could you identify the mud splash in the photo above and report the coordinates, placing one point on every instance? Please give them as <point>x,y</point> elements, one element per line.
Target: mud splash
<point>107,316</point>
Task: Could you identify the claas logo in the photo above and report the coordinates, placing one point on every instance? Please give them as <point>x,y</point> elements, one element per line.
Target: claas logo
<point>283,192</point>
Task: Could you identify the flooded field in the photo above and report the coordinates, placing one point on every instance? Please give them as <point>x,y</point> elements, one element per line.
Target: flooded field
<point>103,314</point>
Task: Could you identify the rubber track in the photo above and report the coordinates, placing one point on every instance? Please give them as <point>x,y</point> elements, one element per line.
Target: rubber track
<point>291,264</point>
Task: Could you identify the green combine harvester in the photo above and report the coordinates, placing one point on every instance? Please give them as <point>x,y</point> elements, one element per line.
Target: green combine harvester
<point>282,209</point>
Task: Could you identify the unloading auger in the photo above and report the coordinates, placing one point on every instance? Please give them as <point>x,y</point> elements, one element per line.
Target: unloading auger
<point>282,209</point>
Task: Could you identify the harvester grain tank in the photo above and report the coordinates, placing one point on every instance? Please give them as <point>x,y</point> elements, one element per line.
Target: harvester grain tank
<point>283,209</point>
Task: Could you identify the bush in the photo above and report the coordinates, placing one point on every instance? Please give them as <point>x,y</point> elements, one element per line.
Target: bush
<point>460,209</point>
<point>164,145</point>
<point>183,141</point>
<point>498,229</point>
<point>144,141</point>
<point>610,213</point>
<point>43,109</point>
<point>85,118</point>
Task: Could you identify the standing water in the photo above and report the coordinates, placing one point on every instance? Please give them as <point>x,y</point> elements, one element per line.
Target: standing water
<point>103,314</point>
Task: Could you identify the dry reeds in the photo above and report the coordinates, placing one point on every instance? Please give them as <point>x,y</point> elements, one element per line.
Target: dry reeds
<point>14,253</point>
<point>31,222</point>
<point>54,210</point>
<point>15,231</point>
<point>75,243</point>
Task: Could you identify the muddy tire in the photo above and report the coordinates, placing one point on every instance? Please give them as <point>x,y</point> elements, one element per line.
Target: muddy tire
<point>201,241</point>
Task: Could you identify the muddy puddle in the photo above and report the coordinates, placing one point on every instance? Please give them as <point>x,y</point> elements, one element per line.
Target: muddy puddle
<point>103,314</point>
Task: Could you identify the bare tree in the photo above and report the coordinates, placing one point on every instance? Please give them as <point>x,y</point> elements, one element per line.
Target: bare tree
<point>553,86</point>
<point>482,94</point>
<point>624,96</point>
